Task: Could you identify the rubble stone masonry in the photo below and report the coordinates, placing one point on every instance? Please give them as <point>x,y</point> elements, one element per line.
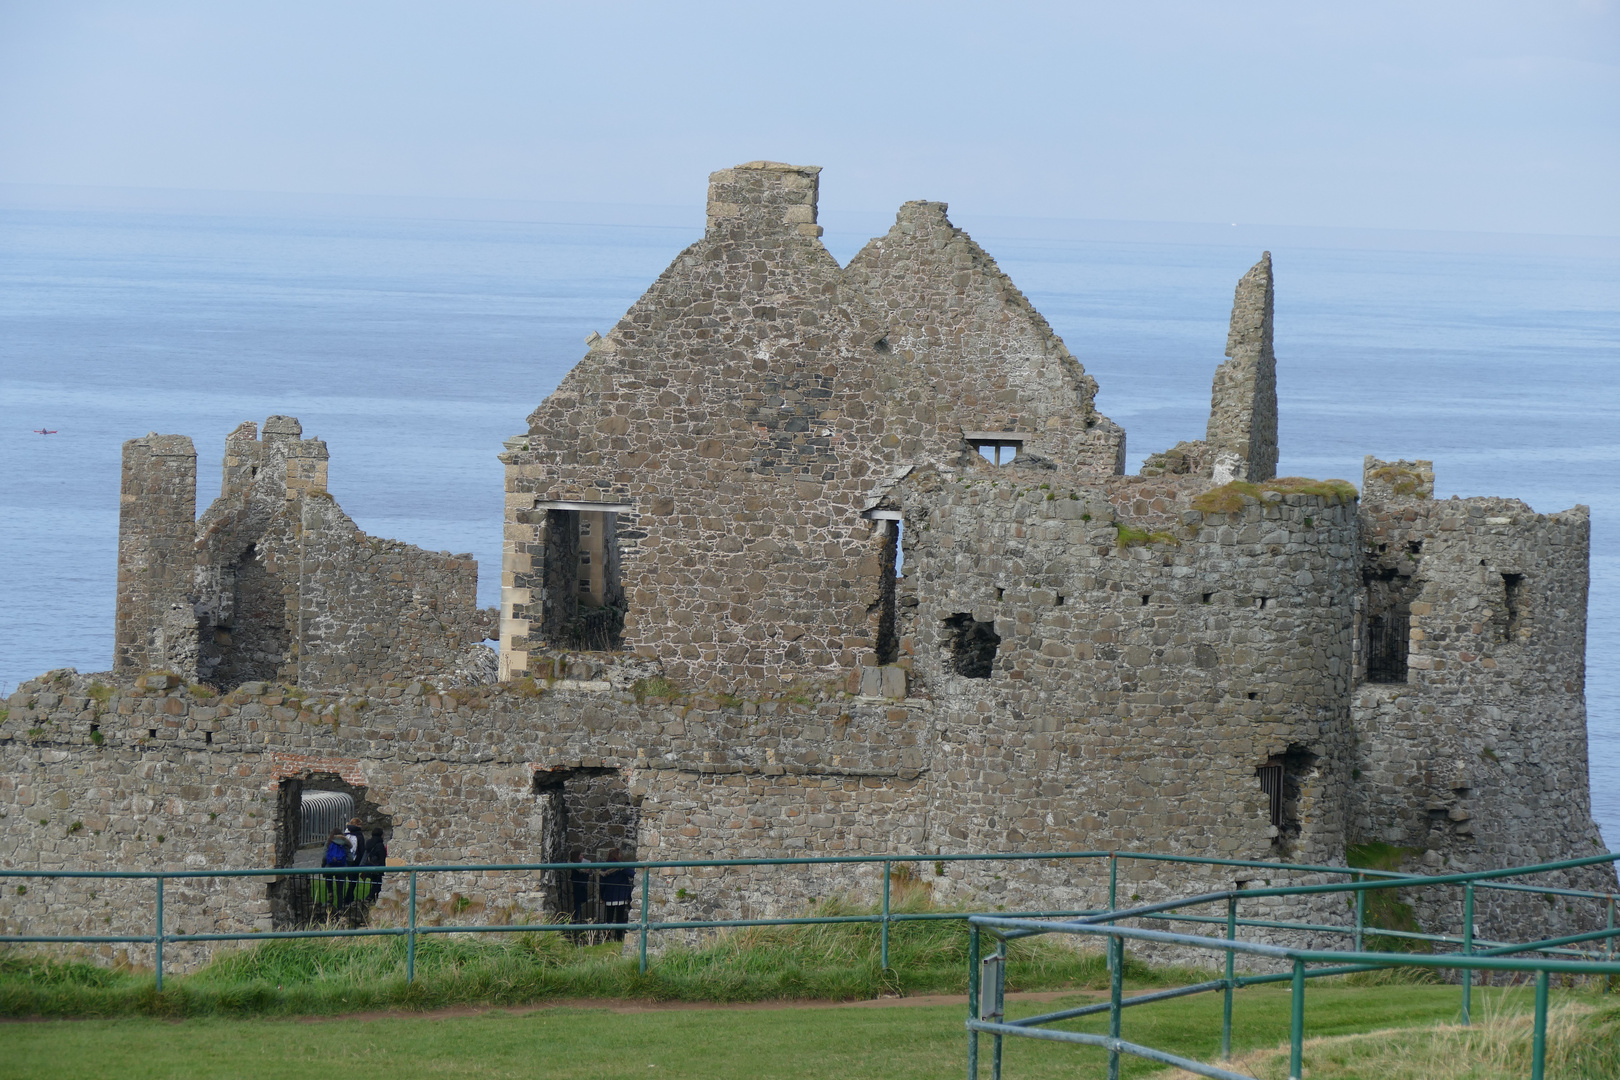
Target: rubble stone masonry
<point>706,650</point>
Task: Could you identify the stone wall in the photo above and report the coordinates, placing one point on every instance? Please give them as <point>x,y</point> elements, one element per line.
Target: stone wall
<point>157,508</point>
<point>752,405</point>
<point>1201,660</point>
<point>1477,758</point>
<point>274,581</point>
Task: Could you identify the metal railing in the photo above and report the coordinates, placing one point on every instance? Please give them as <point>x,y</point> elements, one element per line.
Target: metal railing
<point>987,974</point>
<point>885,917</point>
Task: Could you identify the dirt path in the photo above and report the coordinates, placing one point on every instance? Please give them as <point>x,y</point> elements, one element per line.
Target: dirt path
<point>628,1006</point>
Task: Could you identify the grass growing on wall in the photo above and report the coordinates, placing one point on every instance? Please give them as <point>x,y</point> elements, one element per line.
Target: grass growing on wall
<point>312,975</point>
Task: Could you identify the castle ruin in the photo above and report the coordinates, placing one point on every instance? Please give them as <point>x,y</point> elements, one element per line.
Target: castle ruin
<point>706,651</point>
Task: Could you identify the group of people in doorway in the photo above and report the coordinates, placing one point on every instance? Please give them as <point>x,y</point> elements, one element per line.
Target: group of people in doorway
<point>611,904</point>
<point>350,847</point>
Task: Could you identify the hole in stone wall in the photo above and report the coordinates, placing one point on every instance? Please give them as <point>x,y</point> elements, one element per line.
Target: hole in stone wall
<point>1271,785</point>
<point>1208,597</point>
<point>583,597</point>
<point>997,453</point>
<point>972,645</point>
<point>1282,781</point>
<point>1260,602</point>
<point>881,344</point>
<point>888,635</point>
<point>308,808</point>
<point>1387,640</point>
<point>208,738</point>
<point>1000,592</point>
<point>151,733</point>
<point>1145,598</point>
<point>586,813</point>
<point>1414,547</point>
<point>1060,599</point>
<point>1513,605</point>
<point>1253,696</point>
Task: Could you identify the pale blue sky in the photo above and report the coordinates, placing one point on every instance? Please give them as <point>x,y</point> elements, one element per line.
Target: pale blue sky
<point>1413,115</point>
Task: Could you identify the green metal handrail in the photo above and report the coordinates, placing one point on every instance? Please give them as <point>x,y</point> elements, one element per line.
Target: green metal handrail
<point>1362,881</point>
<point>986,976</point>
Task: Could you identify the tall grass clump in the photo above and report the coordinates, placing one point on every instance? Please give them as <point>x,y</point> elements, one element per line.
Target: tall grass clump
<point>303,976</point>
<point>1583,1043</point>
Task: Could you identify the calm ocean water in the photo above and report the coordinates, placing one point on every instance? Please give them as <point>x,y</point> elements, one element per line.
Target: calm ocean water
<point>414,346</point>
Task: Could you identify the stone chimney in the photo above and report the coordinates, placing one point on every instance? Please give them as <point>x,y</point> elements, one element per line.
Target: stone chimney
<point>157,533</point>
<point>763,198</point>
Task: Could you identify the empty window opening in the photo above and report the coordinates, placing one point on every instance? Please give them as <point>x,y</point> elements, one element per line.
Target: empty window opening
<point>309,810</point>
<point>997,453</point>
<point>1208,597</point>
<point>1260,602</point>
<point>1283,782</point>
<point>881,344</point>
<point>208,738</point>
<point>1000,592</point>
<point>1414,547</point>
<point>585,816</point>
<point>972,645</point>
<point>1145,598</point>
<point>151,733</point>
<point>1387,639</point>
<point>1060,599</point>
<point>583,604</point>
<point>247,638</point>
<point>1254,695</point>
<point>887,639</point>
<point>1512,605</point>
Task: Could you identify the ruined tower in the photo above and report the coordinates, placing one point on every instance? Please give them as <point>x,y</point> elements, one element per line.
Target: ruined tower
<point>1243,401</point>
<point>157,511</point>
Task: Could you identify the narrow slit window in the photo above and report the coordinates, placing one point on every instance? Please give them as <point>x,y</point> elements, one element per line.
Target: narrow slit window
<point>1271,785</point>
<point>1513,605</point>
<point>888,631</point>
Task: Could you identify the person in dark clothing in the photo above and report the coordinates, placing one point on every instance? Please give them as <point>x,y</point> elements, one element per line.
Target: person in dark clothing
<point>579,882</point>
<point>617,885</point>
<point>355,836</point>
<point>376,854</point>
<point>330,886</point>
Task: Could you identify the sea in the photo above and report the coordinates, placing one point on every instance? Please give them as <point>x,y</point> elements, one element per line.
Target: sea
<point>415,335</point>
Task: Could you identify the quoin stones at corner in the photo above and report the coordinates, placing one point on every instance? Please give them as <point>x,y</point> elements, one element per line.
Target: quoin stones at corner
<point>705,649</point>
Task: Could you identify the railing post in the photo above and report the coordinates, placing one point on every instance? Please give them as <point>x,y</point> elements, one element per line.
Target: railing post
<point>646,883</point>
<point>973,1000</point>
<point>1468,950</point>
<point>1113,898</point>
<point>1231,957</point>
<point>1296,1027</point>
<point>410,933</point>
<point>1538,1049</point>
<point>1608,947</point>
<point>1001,997</point>
<point>1361,915</point>
<point>885,949</point>
<point>1116,987</point>
<point>157,937</point>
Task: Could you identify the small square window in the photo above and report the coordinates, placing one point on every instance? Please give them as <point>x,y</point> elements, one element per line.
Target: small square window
<point>584,558</point>
<point>584,584</point>
<point>584,528</point>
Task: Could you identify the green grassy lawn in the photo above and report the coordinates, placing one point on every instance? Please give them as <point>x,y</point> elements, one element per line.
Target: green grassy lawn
<point>758,1044</point>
